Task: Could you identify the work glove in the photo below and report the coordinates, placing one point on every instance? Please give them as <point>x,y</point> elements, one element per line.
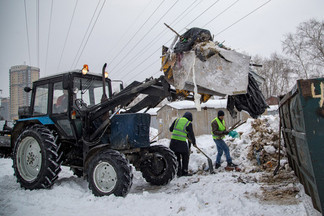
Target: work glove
<point>226,132</point>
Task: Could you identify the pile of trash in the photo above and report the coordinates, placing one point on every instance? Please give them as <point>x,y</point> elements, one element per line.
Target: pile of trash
<point>197,64</point>
<point>264,147</point>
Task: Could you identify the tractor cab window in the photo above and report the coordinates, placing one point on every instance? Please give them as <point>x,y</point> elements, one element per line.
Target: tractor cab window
<point>41,99</point>
<point>89,90</point>
<point>60,98</point>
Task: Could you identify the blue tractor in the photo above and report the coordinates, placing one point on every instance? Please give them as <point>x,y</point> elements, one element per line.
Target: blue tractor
<point>75,120</point>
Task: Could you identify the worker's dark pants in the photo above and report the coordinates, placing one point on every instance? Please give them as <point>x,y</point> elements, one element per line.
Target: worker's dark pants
<point>181,150</point>
<point>183,161</point>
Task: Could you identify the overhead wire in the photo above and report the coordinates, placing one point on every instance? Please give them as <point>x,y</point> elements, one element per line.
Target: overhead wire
<point>212,5</point>
<point>154,25</point>
<point>243,17</point>
<point>208,8</point>
<point>215,35</point>
<point>129,28</point>
<point>143,70</point>
<point>189,11</point>
<point>37,30</point>
<point>48,38</point>
<point>84,36</point>
<point>90,32</point>
<point>142,51</point>
<point>28,45</point>
<point>226,9</point>
<point>137,31</point>
<point>67,35</point>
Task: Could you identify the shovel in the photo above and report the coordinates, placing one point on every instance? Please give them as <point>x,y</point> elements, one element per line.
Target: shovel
<point>210,163</point>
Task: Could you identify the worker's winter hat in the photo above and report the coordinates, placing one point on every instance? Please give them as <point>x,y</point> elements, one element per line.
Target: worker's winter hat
<point>220,113</point>
<point>188,116</point>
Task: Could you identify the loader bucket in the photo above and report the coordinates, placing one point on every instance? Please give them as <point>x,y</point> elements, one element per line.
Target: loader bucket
<point>213,70</point>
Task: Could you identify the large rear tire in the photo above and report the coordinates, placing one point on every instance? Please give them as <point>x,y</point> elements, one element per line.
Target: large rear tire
<point>109,173</point>
<point>159,167</point>
<point>36,159</point>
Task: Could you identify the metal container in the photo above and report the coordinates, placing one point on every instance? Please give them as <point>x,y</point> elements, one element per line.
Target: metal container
<point>302,118</point>
<point>130,131</point>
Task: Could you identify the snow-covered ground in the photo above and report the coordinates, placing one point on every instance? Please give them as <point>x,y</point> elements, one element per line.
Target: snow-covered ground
<point>253,191</point>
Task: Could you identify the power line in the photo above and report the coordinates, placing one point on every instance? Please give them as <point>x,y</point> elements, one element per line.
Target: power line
<point>90,32</point>
<point>221,12</point>
<point>243,17</point>
<point>141,71</point>
<point>154,25</point>
<point>137,31</point>
<point>76,56</point>
<point>48,38</point>
<point>142,51</point>
<point>208,22</point>
<point>129,27</point>
<point>212,5</point>
<point>183,29</point>
<point>76,3</point>
<point>37,29</point>
<point>199,1</point>
<point>27,31</point>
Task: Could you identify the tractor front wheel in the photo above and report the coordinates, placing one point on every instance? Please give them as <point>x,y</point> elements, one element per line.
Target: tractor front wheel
<point>36,161</point>
<point>109,173</point>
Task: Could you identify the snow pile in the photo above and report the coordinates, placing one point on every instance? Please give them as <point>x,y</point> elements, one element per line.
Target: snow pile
<point>254,191</point>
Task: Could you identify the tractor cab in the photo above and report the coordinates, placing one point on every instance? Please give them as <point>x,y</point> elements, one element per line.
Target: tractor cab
<point>57,101</point>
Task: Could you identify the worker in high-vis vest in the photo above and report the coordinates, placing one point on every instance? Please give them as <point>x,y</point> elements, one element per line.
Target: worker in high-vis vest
<point>218,132</point>
<point>181,128</point>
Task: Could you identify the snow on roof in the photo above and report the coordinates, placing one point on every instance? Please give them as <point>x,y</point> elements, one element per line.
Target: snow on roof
<point>273,108</point>
<point>152,111</point>
<point>191,105</point>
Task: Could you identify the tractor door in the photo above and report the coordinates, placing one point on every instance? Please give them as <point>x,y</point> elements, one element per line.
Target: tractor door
<point>60,106</point>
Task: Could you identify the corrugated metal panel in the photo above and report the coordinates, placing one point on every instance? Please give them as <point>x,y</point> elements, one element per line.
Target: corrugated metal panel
<point>201,119</point>
<point>302,116</point>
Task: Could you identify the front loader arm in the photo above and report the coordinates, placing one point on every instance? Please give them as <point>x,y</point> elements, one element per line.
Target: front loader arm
<point>156,89</point>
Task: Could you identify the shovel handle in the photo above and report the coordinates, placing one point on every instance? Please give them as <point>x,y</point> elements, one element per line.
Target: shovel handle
<point>201,151</point>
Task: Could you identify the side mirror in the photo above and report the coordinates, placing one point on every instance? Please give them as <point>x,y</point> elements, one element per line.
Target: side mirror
<point>27,89</point>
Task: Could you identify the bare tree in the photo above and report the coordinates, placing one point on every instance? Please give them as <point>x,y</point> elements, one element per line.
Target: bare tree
<point>278,74</point>
<point>306,47</point>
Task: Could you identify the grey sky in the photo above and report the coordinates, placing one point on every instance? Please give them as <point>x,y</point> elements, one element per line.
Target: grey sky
<point>111,39</point>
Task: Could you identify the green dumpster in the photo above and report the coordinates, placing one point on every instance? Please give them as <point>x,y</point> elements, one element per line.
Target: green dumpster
<point>302,119</point>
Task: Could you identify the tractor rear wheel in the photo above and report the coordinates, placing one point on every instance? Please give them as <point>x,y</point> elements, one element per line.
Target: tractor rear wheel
<point>36,159</point>
<point>159,167</point>
<point>109,173</point>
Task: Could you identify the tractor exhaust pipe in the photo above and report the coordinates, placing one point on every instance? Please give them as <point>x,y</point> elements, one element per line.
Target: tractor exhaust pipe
<point>104,95</point>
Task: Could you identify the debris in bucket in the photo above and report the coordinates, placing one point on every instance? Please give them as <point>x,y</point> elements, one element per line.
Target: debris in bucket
<point>198,64</point>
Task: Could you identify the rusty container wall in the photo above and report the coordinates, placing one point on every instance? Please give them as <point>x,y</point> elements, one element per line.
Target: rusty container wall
<point>302,119</point>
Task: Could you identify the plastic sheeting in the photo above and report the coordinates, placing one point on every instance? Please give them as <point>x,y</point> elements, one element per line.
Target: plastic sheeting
<point>253,101</point>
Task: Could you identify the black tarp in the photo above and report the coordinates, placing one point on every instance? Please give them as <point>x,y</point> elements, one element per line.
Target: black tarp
<point>190,37</point>
<point>253,101</point>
